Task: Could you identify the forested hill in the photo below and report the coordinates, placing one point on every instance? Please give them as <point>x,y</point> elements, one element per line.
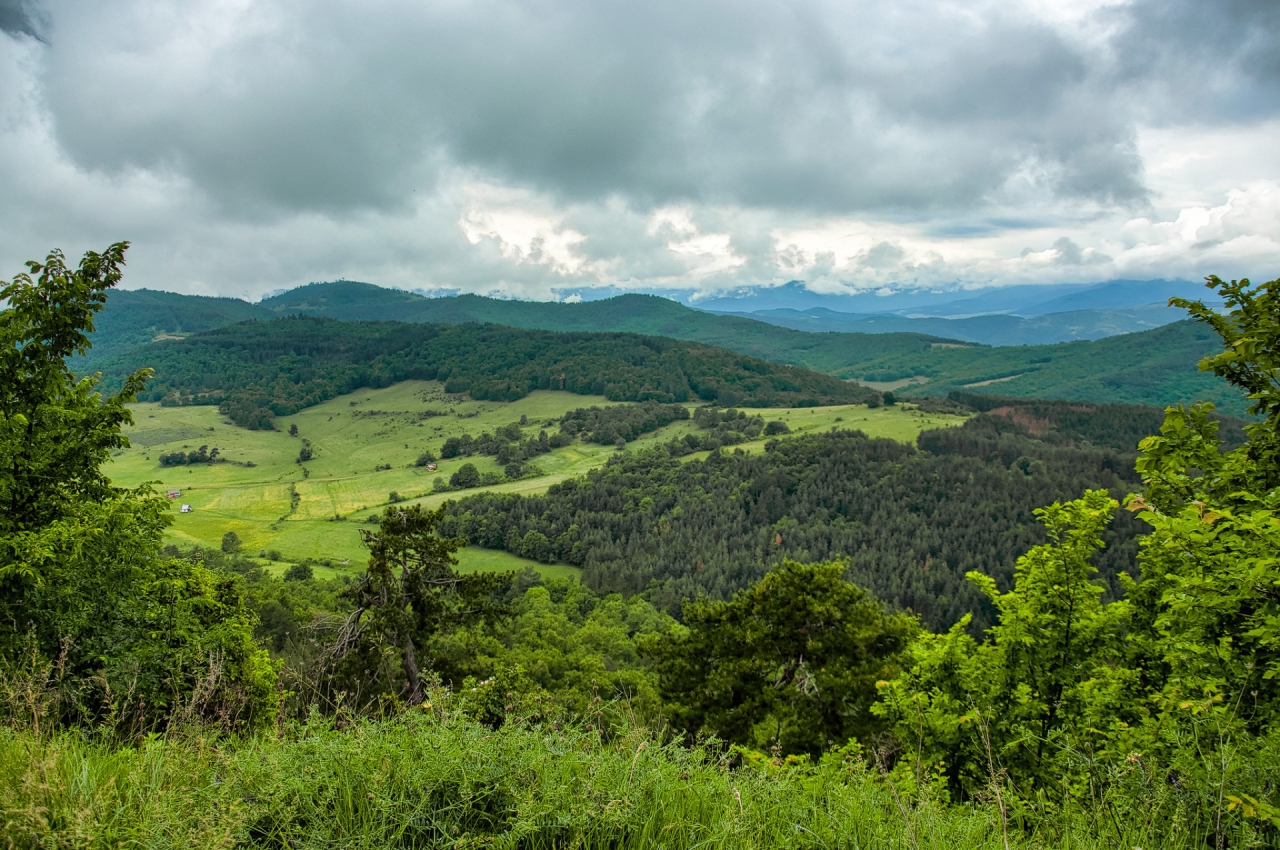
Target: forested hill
<point>257,370</point>
<point>138,316</point>
<point>1155,367</point>
<point>910,521</point>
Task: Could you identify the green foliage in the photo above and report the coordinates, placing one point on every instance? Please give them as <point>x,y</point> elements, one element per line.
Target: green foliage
<point>407,601</point>
<point>789,664</point>
<point>581,649</point>
<point>105,629</point>
<point>962,704</point>
<point>231,543</point>
<point>55,430</point>
<point>1070,695</point>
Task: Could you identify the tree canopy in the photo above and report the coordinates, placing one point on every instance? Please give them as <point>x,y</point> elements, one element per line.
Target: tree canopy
<point>104,627</point>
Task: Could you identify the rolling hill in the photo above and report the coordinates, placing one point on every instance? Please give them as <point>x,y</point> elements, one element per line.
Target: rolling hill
<point>1153,367</point>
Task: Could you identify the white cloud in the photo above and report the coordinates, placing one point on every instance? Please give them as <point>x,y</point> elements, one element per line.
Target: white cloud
<point>704,255</point>
<point>525,235</point>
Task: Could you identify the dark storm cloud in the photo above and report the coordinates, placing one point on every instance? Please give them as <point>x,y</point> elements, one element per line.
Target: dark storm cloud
<point>20,17</point>
<point>1204,61</point>
<point>833,108</point>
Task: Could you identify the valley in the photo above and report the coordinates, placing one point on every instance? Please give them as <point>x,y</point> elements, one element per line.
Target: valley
<point>364,448</point>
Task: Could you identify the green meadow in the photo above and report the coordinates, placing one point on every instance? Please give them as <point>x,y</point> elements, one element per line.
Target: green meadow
<point>364,447</point>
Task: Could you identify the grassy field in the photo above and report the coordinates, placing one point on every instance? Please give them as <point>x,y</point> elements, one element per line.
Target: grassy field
<point>364,446</point>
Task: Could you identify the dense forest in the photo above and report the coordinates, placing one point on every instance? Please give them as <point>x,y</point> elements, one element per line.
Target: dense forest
<point>151,696</point>
<point>258,370</point>
<point>910,521</point>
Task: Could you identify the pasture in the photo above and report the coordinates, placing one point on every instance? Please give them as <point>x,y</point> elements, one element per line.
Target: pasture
<point>364,447</point>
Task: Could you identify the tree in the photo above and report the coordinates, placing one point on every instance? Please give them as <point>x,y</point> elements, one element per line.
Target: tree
<point>958,702</point>
<point>466,476</point>
<point>55,431</point>
<point>1181,679</point>
<point>84,593</point>
<point>407,600</point>
<point>231,543</point>
<point>1211,601</point>
<point>791,662</point>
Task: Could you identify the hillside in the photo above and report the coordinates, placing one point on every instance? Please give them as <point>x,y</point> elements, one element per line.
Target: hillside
<point>365,446</point>
<point>1156,367</point>
<point>258,370</point>
<point>137,316</point>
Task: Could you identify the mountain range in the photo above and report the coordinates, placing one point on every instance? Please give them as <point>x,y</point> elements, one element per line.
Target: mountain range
<point>1151,367</point>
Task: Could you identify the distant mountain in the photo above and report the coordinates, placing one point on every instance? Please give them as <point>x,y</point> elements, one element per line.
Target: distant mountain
<point>795,296</point>
<point>1154,367</point>
<point>1024,300</point>
<point>989,329</point>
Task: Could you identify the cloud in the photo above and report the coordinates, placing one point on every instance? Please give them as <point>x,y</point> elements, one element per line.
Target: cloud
<point>704,254</point>
<point>530,148</point>
<point>524,235</point>
<point>19,17</point>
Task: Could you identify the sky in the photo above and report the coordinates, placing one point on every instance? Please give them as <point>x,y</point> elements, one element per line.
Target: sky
<point>542,149</point>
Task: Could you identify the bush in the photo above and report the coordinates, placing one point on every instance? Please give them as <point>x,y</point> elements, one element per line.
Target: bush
<point>394,497</point>
<point>230,543</point>
<point>425,458</point>
<point>776,427</point>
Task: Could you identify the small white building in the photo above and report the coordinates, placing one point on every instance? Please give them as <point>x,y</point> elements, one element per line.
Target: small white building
<point>185,509</point>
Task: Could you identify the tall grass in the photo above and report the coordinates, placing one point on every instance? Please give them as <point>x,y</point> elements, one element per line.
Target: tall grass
<point>435,778</point>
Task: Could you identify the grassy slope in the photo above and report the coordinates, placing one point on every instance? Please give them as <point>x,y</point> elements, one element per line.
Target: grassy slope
<point>352,435</point>
<point>433,778</point>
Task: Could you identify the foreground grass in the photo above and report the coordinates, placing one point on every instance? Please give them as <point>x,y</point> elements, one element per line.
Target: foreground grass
<point>365,445</point>
<point>435,779</point>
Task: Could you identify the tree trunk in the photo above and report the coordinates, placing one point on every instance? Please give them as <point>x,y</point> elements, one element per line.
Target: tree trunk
<point>411,671</point>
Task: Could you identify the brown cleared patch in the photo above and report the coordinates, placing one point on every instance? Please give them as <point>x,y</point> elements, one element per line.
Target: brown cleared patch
<point>1035,424</point>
